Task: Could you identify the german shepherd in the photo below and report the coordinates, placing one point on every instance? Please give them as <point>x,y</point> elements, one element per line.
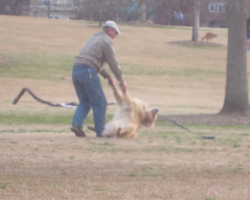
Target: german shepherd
<point>129,117</point>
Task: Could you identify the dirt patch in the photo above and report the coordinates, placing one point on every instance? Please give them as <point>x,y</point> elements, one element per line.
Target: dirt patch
<point>198,43</point>
<point>5,59</point>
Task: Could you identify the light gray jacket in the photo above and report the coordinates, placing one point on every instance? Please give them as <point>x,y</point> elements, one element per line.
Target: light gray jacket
<point>98,50</point>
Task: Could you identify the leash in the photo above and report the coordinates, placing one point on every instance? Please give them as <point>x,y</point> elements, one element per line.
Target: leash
<point>74,105</point>
<point>173,122</point>
<point>69,105</point>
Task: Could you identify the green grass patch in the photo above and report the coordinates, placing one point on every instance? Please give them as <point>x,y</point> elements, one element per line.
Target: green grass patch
<point>3,185</point>
<point>64,173</point>
<point>40,65</point>
<point>12,118</point>
<point>134,70</point>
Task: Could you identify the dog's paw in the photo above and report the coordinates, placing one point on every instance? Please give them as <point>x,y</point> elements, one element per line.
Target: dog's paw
<point>92,128</point>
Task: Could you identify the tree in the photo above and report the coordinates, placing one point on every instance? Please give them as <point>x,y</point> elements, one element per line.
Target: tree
<point>49,4</point>
<point>142,11</point>
<point>98,10</point>
<point>195,33</point>
<point>13,7</point>
<point>236,97</point>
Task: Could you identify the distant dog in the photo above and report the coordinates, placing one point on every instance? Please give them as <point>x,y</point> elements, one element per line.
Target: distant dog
<point>209,36</point>
<point>130,116</point>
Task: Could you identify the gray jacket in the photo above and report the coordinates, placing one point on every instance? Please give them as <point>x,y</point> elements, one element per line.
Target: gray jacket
<point>98,50</point>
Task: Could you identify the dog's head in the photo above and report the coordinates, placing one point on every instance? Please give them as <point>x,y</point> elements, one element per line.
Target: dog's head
<point>150,118</point>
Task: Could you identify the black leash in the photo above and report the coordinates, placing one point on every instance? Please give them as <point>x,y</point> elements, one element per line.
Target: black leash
<point>15,101</point>
<point>75,104</point>
<point>164,117</point>
<point>173,122</point>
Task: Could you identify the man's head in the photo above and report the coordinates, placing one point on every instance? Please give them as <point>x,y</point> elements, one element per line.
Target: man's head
<point>111,28</point>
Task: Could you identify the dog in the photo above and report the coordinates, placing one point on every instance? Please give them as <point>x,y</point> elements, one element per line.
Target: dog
<point>131,114</point>
<point>209,36</point>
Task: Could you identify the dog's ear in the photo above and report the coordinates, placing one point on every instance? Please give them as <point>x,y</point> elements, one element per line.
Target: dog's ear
<point>154,111</point>
<point>151,117</point>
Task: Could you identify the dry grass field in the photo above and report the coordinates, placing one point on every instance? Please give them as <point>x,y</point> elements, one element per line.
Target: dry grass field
<point>41,159</point>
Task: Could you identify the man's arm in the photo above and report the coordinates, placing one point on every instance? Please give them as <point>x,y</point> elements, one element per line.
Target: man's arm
<point>112,61</point>
<point>113,64</point>
<point>104,73</point>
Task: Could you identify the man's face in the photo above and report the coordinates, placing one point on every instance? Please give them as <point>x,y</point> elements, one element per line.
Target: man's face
<point>112,33</point>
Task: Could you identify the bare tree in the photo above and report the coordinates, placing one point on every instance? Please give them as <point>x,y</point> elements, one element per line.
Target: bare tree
<point>196,26</point>
<point>13,7</point>
<point>142,11</point>
<point>236,97</point>
<point>98,10</point>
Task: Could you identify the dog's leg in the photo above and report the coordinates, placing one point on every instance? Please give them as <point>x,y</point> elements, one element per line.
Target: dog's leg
<point>119,98</point>
<point>126,132</point>
<point>127,99</point>
<point>117,94</point>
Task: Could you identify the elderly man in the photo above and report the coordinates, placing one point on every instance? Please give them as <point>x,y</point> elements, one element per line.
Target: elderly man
<point>88,63</point>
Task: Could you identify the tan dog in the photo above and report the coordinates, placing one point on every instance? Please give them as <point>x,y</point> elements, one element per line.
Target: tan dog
<point>209,36</point>
<point>130,116</point>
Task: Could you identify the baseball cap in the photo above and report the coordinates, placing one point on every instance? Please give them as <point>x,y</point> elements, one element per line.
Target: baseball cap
<point>112,24</point>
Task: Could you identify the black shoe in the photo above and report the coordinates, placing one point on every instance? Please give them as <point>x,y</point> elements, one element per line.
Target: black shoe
<point>78,131</point>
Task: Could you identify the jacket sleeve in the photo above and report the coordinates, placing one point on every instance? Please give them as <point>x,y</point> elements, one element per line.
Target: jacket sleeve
<point>111,59</point>
<point>104,73</point>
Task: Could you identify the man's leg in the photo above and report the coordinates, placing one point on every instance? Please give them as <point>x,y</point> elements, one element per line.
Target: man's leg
<point>97,101</point>
<point>78,76</point>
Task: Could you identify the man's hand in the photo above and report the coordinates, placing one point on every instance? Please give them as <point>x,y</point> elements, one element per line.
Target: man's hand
<point>110,80</point>
<point>123,86</point>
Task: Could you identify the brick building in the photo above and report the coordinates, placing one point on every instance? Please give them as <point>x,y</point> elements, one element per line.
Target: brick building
<point>213,13</point>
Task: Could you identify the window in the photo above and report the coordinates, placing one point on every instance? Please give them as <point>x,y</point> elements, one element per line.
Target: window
<point>217,7</point>
<point>76,2</point>
<point>55,17</point>
<point>71,17</point>
<point>46,2</point>
<point>62,2</point>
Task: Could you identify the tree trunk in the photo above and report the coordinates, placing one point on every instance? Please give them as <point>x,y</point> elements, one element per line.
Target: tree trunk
<point>91,12</point>
<point>100,17</point>
<point>236,97</point>
<point>49,9</point>
<point>196,26</point>
<point>169,12</point>
<point>142,11</point>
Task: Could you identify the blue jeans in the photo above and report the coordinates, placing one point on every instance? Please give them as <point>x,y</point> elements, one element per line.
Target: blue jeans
<point>90,94</point>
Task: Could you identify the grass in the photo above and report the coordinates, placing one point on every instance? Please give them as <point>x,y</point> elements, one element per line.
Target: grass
<point>31,65</point>
<point>3,185</point>
<point>17,118</point>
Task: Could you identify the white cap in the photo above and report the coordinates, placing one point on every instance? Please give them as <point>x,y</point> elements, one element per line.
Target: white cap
<point>112,24</point>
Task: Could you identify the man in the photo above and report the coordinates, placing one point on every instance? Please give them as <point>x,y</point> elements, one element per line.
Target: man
<point>175,18</point>
<point>181,18</point>
<point>88,63</point>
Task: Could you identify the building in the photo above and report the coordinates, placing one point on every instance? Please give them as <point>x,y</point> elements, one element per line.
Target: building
<point>56,9</point>
<point>213,13</point>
